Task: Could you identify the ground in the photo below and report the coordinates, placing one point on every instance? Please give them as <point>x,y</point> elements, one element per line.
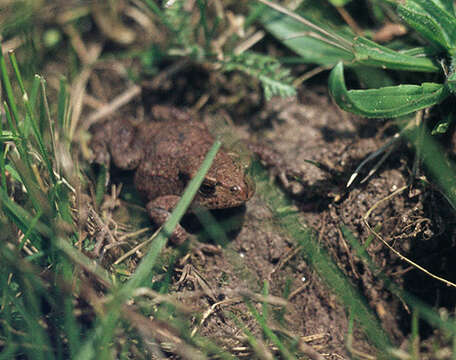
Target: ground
<point>260,262</point>
<point>310,128</point>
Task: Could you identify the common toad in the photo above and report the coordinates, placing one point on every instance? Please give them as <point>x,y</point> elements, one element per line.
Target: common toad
<point>166,153</point>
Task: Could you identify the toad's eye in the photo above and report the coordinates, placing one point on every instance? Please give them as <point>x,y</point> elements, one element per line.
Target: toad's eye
<point>235,189</point>
<point>207,188</point>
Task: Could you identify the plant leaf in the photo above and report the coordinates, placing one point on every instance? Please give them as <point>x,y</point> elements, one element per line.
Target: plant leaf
<point>275,79</point>
<point>317,43</point>
<point>446,5</point>
<point>371,77</point>
<point>339,2</point>
<point>443,124</point>
<point>369,53</point>
<point>433,19</point>
<point>438,12</point>
<point>386,102</point>
<point>313,45</point>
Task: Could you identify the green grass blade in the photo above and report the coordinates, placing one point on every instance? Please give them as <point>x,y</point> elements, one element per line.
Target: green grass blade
<point>10,120</point>
<point>269,333</point>
<point>6,135</point>
<point>31,115</point>
<point>34,91</point>
<point>3,168</point>
<point>62,105</point>
<point>21,217</point>
<point>20,144</point>
<point>8,88</point>
<point>78,258</point>
<point>254,343</point>
<point>440,168</point>
<point>31,227</point>
<point>15,66</point>
<point>48,125</point>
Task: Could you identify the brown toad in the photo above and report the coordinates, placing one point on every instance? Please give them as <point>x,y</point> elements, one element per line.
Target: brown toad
<point>166,155</point>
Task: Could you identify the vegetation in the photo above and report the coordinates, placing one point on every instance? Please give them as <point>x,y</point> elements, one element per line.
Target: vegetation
<point>61,298</point>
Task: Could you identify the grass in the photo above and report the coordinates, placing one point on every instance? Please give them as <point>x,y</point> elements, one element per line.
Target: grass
<point>48,283</point>
<point>50,196</point>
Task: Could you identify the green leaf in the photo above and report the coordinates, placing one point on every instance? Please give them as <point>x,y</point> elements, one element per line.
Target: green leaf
<point>7,135</point>
<point>313,41</point>
<point>317,43</point>
<point>443,124</point>
<point>433,19</point>
<point>339,3</point>
<point>425,25</point>
<point>275,79</point>
<point>421,52</point>
<point>447,5</point>
<point>371,77</point>
<point>451,78</point>
<point>441,127</point>
<point>274,87</point>
<point>386,102</point>
<point>6,83</point>
<point>451,82</point>
<point>14,174</point>
<point>23,219</point>
<point>369,53</point>
<point>442,16</point>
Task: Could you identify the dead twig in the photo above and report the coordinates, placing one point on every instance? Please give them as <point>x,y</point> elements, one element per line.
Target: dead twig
<point>113,106</point>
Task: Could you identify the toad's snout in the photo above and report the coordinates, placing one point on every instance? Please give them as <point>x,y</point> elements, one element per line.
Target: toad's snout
<point>249,187</point>
<point>243,191</point>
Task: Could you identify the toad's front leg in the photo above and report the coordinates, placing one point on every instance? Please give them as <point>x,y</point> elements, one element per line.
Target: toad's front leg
<point>160,210</point>
<point>126,150</point>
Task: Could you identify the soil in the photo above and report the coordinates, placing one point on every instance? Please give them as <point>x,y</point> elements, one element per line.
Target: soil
<point>417,222</point>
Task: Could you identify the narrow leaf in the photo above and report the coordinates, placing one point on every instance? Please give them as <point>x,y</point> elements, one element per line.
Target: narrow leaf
<point>447,5</point>
<point>386,102</point>
<point>313,41</point>
<point>425,25</point>
<point>433,19</point>
<point>446,20</point>
<point>370,53</point>
<point>8,88</point>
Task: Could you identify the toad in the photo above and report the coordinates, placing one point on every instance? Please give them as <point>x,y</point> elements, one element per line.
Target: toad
<point>165,154</point>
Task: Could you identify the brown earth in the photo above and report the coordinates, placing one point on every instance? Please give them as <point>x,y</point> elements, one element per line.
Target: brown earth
<point>417,222</point>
